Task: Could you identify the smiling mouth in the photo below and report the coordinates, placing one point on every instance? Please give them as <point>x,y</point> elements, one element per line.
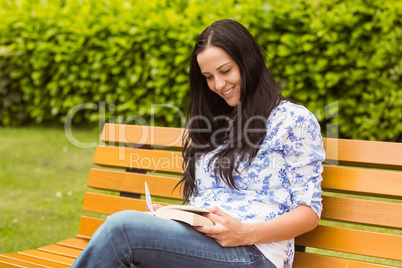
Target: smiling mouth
<point>227,92</point>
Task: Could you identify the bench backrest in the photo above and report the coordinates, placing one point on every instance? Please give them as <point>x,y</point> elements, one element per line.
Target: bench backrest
<point>362,193</point>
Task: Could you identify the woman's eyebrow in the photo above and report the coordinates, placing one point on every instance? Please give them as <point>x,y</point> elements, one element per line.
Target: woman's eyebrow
<point>217,68</point>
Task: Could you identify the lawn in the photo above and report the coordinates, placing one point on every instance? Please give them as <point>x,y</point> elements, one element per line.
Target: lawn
<point>42,183</point>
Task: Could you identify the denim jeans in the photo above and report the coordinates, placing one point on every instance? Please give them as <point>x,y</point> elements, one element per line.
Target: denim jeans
<point>136,239</point>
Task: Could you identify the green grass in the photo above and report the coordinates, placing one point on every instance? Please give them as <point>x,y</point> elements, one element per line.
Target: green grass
<point>42,183</point>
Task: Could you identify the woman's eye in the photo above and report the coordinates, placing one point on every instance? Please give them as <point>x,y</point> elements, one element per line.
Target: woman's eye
<point>226,71</point>
<point>208,77</point>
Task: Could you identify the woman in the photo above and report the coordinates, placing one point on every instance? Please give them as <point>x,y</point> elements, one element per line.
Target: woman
<point>252,158</point>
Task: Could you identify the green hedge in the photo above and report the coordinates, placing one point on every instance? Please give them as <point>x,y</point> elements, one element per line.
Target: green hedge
<point>341,59</point>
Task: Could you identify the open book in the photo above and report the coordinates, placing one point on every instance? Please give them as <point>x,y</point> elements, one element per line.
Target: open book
<point>188,214</point>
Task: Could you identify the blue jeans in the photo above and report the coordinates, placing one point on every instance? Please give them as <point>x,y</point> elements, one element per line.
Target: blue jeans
<point>136,239</point>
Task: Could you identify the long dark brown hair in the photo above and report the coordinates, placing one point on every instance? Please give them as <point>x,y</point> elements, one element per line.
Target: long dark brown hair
<point>212,122</point>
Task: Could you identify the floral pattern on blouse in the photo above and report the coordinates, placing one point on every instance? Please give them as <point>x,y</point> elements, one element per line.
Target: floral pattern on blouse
<point>285,174</point>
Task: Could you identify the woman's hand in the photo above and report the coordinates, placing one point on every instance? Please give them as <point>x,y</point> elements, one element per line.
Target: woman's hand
<point>154,206</point>
<point>227,231</point>
<point>230,232</point>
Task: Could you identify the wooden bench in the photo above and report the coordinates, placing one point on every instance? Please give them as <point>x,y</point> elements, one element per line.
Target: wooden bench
<point>362,198</point>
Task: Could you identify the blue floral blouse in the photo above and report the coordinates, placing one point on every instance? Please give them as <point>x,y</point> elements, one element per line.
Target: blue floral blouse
<point>285,174</point>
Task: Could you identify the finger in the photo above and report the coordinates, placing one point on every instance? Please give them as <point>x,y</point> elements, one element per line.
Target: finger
<point>214,217</point>
<point>207,230</point>
<point>201,229</point>
<point>213,236</point>
<point>219,216</point>
<point>217,211</point>
<point>156,206</point>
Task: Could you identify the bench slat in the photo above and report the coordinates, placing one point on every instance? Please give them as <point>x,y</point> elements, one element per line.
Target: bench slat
<point>109,204</point>
<point>133,183</point>
<point>9,262</point>
<point>362,211</point>
<point>366,152</point>
<point>353,241</point>
<point>369,181</point>
<point>337,208</point>
<point>61,250</point>
<point>139,158</point>
<point>88,226</point>
<point>8,265</point>
<point>371,152</point>
<point>48,256</point>
<point>35,260</point>
<point>132,134</point>
<point>74,243</point>
<point>308,260</point>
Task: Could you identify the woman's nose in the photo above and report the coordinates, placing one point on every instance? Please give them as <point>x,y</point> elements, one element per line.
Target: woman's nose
<point>219,84</point>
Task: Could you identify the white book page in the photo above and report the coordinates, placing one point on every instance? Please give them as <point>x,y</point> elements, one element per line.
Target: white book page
<point>148,199</point>
<point>186,208</point>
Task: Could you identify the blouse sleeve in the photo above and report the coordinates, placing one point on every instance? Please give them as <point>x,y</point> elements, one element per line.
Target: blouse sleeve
<point>303,153</point>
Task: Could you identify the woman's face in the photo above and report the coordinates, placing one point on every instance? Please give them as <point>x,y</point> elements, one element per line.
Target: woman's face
<point>222,73</point>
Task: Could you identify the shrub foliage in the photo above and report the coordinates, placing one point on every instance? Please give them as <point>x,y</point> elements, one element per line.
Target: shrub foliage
<point>341,59</point>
